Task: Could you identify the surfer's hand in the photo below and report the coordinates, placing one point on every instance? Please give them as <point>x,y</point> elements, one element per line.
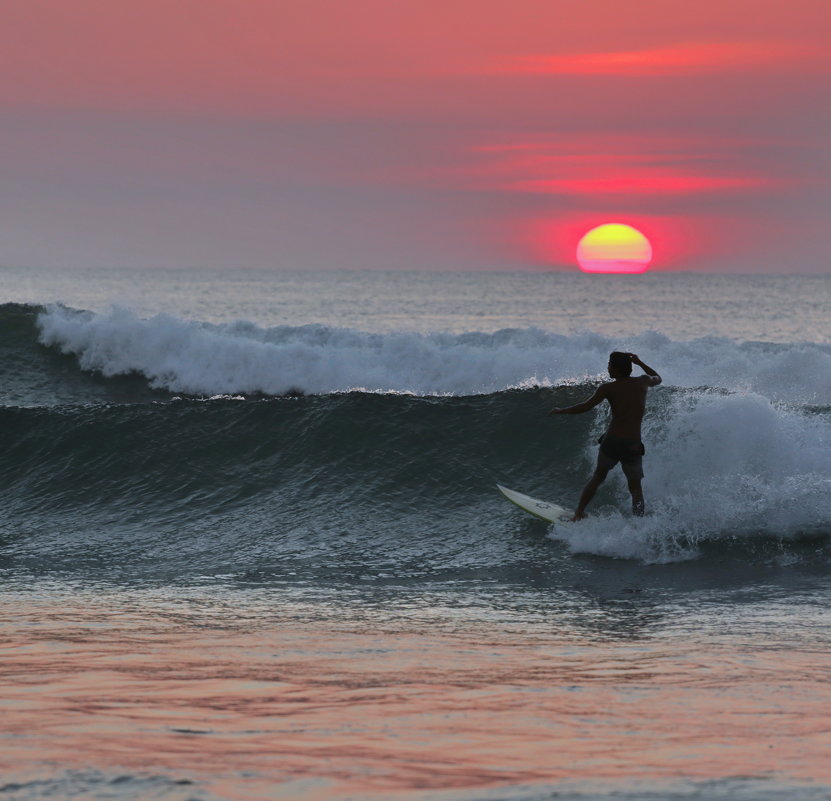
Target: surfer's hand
<point>634,358</point>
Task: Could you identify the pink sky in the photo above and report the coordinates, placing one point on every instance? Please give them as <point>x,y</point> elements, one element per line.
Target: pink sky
<point>470,134</point>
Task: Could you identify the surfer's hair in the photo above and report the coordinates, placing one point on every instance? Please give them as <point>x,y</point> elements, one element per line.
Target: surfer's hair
<point>622,362</point>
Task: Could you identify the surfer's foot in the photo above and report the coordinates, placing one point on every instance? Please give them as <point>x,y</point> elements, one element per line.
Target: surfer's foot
<point>577,516</point>
<point>637,508</point>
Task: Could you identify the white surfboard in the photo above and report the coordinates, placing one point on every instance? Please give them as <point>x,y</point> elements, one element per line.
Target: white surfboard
<point>545,510</point>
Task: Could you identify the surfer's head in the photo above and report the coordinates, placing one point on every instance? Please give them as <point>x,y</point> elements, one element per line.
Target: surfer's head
<point>620,364</point>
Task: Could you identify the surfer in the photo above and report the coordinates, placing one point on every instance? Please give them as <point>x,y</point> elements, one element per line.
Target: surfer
<point>622,442</point>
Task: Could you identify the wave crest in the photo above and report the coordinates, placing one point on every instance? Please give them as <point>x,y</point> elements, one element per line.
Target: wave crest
<point>242,358</point>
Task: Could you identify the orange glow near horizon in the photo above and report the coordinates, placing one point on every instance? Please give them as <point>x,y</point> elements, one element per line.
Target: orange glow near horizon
<point>614,248</point>
<point>641,182</point>
<point>683,58</point>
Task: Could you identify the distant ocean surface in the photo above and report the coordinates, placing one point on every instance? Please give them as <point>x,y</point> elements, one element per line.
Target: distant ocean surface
<point>251,547</point>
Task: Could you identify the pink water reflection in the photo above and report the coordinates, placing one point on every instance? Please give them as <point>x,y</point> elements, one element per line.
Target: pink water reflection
<point>322,710</point>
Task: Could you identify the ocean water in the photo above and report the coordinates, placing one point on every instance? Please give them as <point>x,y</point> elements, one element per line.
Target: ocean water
<point>251,547</point>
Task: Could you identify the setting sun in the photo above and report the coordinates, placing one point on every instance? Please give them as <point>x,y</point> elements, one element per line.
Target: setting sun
<point>614,248</point>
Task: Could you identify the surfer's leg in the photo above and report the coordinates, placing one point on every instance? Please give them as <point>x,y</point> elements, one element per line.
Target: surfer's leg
<point>598,477</point>
<point>637,496</point>
<point>633,470</point>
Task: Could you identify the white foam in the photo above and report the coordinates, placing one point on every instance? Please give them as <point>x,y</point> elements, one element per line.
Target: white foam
<point>205,359</point>
<point>717,465</point>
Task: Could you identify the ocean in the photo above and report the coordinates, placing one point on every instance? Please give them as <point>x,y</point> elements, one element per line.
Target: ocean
<point>251,545</point>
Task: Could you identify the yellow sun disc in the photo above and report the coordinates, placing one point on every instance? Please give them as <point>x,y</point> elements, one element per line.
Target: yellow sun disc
<point>614,248</point>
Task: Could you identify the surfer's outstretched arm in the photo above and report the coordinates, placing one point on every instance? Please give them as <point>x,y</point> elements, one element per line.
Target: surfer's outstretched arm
<point>598,397</point>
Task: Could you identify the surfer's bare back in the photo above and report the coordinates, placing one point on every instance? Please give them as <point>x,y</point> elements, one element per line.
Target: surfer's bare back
<point>622,442</point>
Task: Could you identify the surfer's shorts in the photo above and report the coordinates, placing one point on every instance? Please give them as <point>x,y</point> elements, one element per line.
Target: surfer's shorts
<point>629,452</point>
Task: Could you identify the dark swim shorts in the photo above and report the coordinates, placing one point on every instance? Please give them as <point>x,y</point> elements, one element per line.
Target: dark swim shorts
<point>629,452</point>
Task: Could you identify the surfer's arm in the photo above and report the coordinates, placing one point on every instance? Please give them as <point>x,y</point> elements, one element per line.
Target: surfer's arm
<point>652,375</point>
<point>598,397</point>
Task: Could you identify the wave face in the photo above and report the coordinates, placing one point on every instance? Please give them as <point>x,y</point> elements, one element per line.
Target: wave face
<point>357,487</point>
<point>112,462</point>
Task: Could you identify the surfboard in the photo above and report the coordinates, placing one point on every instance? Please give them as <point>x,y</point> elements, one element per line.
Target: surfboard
<point>544,510</point>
